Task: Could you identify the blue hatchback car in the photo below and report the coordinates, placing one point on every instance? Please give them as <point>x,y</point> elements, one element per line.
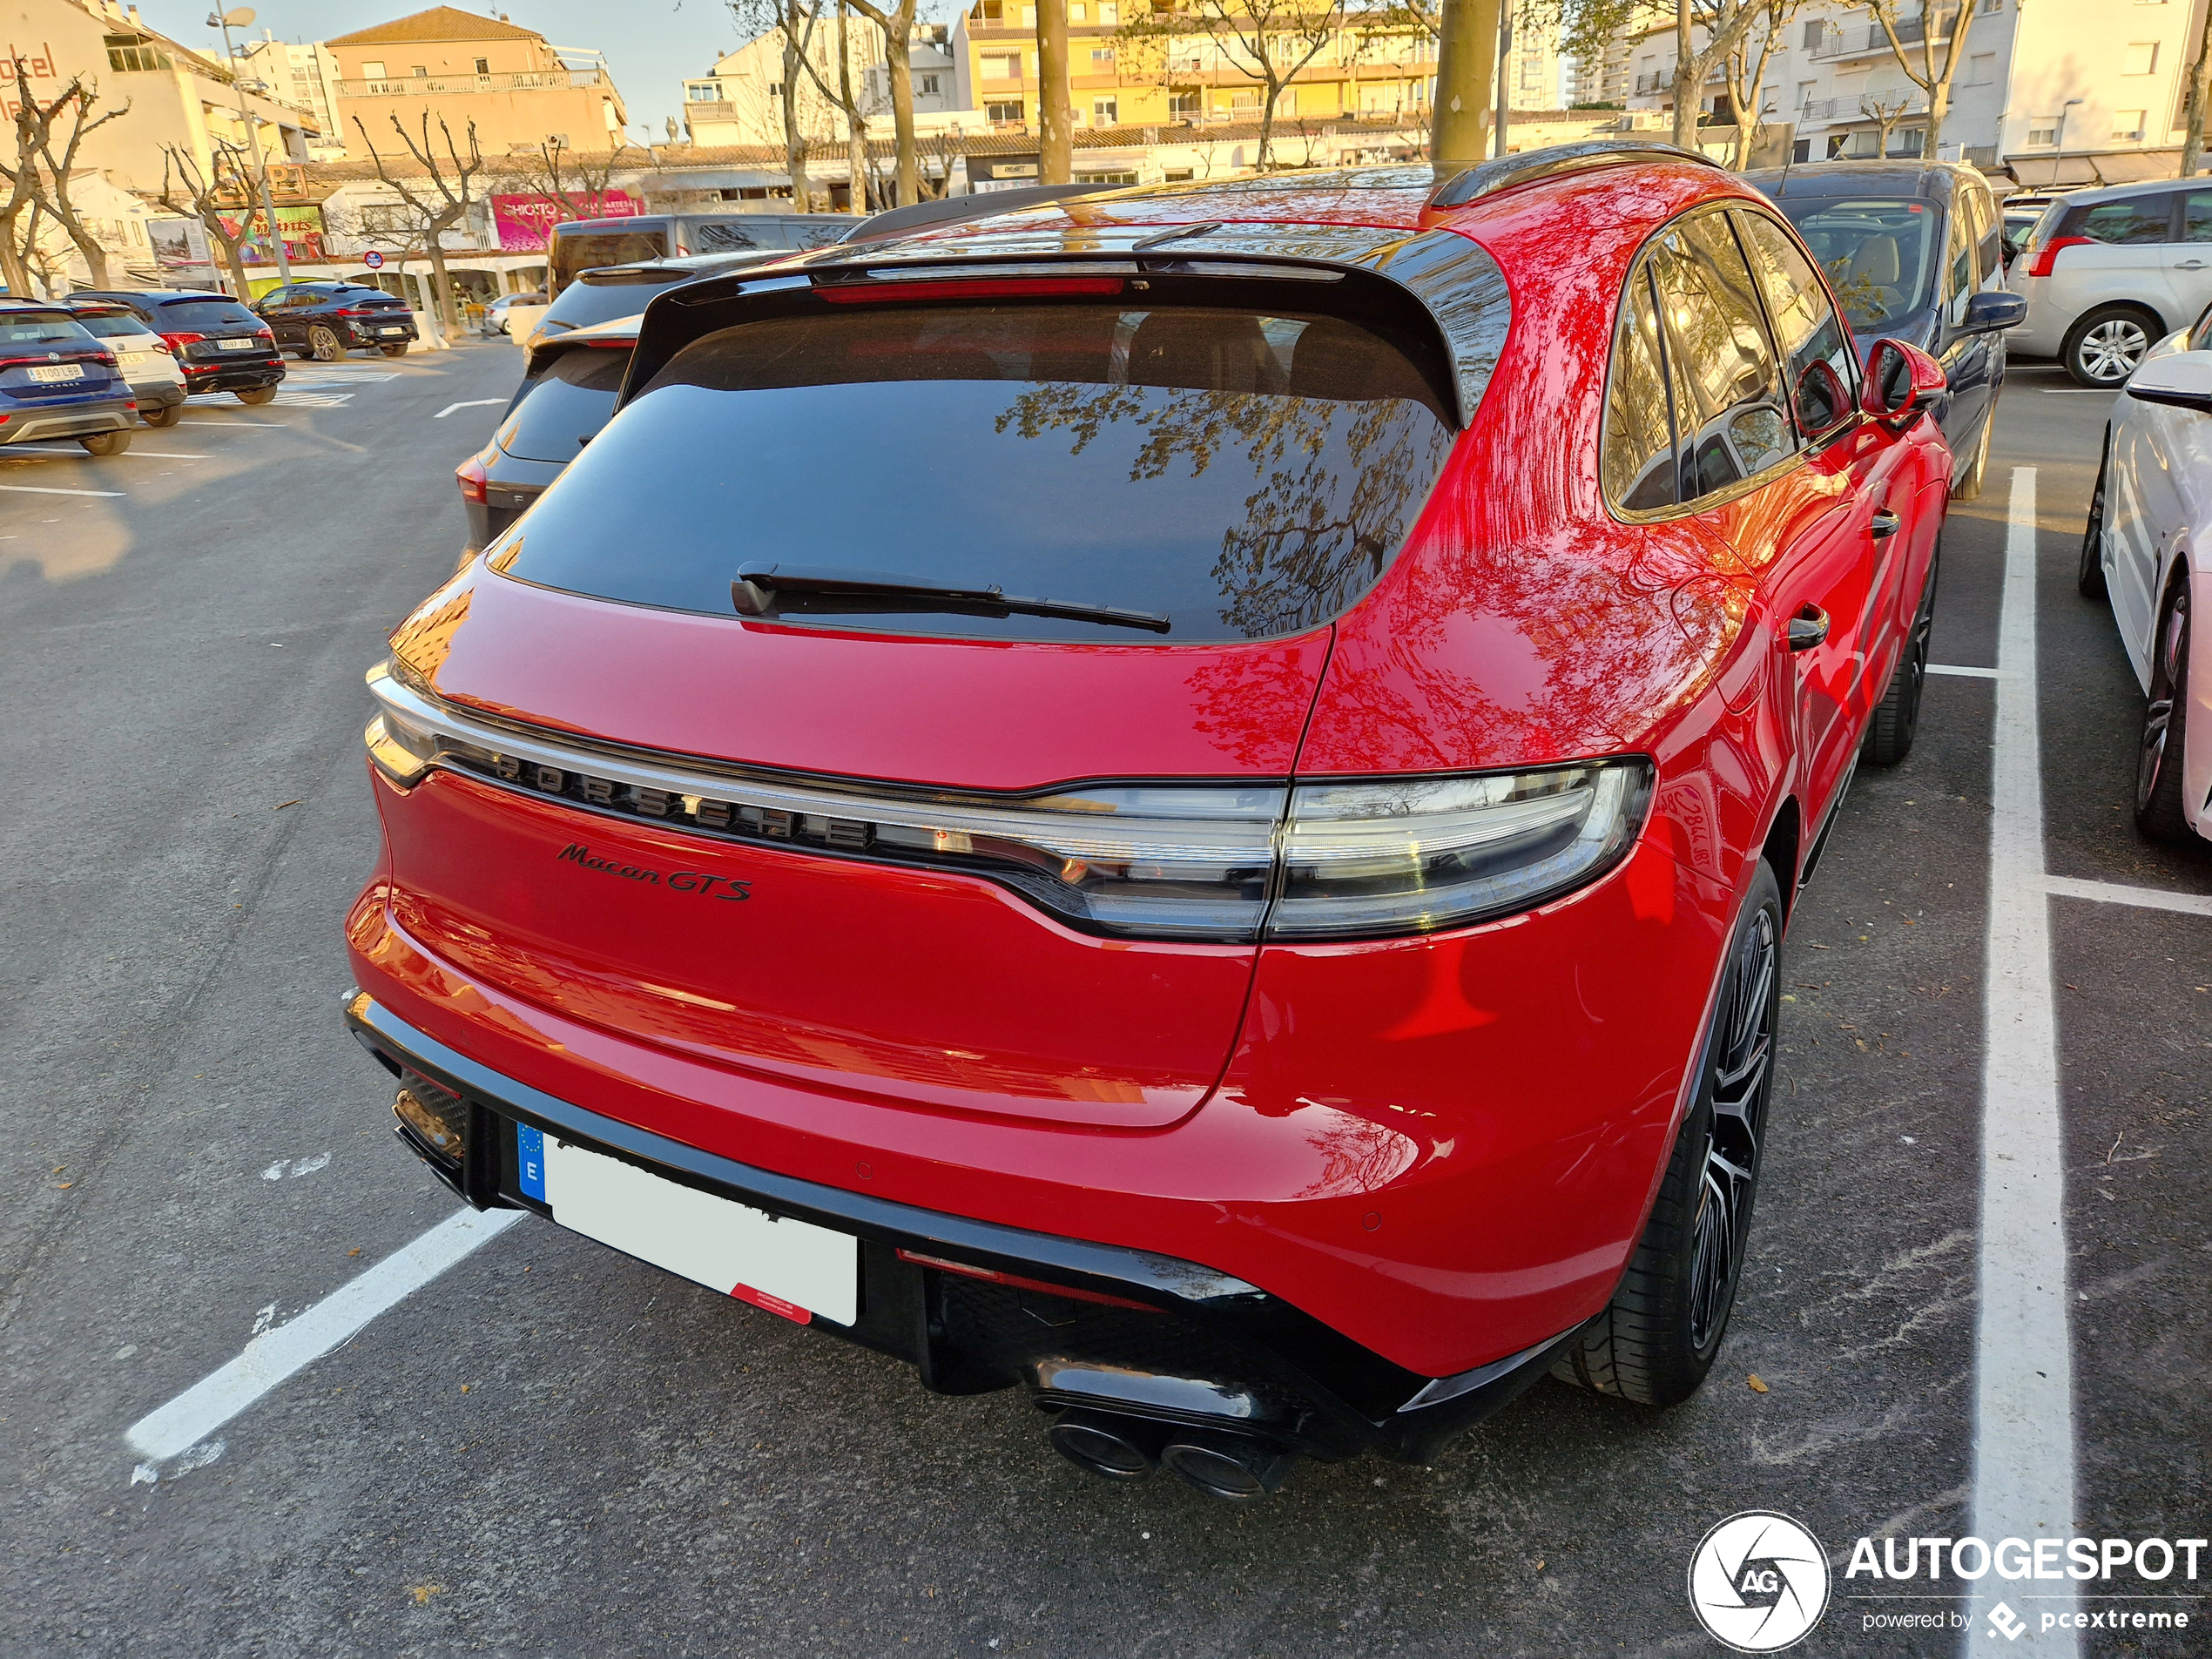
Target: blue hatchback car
<point>1915,251</point>
<point>59,380</point>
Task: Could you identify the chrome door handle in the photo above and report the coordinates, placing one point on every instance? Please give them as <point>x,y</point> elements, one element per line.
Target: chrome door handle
<point>2190,265</point>
<point>1808,628</point>
<point>1886,524</point>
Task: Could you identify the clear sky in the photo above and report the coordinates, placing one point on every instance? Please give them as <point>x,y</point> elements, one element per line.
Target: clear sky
<point>651,46</point>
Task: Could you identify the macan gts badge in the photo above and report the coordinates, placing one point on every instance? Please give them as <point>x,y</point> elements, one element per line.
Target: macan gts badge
<point>1233,880</point>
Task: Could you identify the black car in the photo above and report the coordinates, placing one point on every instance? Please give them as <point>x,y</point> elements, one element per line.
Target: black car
<point>1915,251</point>
<point>220,345</point>
<point>325,320</point>
<point>567,394</point>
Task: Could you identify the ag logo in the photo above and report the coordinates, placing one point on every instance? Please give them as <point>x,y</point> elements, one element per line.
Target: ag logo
<point>1758,1581</point>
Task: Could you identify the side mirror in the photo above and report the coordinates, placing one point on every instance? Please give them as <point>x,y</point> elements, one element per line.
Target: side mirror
<point>1991,310</point>
<point>2181,379</point>
<point>1902,382</point>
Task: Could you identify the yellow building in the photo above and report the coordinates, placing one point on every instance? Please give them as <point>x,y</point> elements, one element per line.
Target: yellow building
<point>1123,73</point>
<point>464,67</point>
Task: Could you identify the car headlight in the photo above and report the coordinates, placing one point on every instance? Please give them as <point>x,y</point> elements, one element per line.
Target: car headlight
<point>1364,859</point>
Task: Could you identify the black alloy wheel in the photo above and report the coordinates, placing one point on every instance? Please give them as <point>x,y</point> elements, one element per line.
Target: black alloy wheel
<point>2158,768</point>
<point>1659,1336</point>
<point>1897,718</point>
<point>323,344</point>
<point>2090,579</point>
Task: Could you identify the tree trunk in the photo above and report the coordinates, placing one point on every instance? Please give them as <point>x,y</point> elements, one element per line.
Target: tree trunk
<point>13,271</point>
<point>2200,88</point>
<point>1938,107</point>
<point>1466,59</point>
<point>1056,137</point>
<point>1685,80</point>
<point>856,132</point>
<point>1744,128</point>
<point>235,258</point>
<point>802,189</point>
<point>1502,133</point>
<point>898,60</point>
<point>440,298</point>
<point>1267,113</point>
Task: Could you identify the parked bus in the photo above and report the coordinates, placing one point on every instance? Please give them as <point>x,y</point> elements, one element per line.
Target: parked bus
<point>584,244</point>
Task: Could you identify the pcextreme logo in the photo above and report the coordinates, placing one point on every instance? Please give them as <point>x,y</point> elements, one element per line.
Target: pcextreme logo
<point>1758,1581</point>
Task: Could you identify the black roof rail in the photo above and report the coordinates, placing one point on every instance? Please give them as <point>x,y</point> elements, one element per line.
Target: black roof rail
<point>1488,177</point>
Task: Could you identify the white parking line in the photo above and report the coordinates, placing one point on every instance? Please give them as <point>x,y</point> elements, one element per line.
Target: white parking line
<point>44,489</point>
<point>276,1355</point>
<point>80,454</point>
<point>2023,1353</point>
<point>249,426</point>
<point>471,403</point>
<point>2188,904</point>
<point>1967,673</point>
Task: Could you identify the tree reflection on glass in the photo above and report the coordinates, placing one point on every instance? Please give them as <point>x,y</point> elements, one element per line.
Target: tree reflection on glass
<point>1333,482</point>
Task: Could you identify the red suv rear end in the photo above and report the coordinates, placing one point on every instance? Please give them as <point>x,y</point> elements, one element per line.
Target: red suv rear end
<point>1176,804</point>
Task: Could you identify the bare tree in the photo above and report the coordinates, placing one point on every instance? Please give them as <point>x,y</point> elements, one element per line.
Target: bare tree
<point>1746,72</point>
<point>220,196</point>
<point>1269,41</point>
<point>2200,92</point>
<point>39,179</point>
<point>1884,109</point>
<point>437,193</point>
<point>843,95</point>
<point>575,181</point>
<point>898,27</point>
<point>1927,75</point>
<point>1706,33</point>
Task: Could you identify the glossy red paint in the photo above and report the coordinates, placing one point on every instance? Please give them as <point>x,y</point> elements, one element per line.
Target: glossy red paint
<point>1499,1099</point>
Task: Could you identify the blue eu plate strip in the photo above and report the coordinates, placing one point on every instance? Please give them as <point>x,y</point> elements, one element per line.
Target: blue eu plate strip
<point>530,1157</point>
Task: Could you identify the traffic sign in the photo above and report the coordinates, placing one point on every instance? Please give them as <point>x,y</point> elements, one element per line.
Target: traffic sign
<point>372,259</point>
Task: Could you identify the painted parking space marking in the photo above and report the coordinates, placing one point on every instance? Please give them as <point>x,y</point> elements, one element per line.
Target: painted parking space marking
<point>248,426</point>
<point>1967,673</point>
<point>2023,1433</point>
<point>48,489</point>
<point>81,454</point>
<point>281,1353</point>
<point>470,403</point>
<point>2187,904</point>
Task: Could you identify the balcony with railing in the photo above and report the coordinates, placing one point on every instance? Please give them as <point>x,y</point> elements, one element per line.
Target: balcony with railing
<point>1862,38</point>
<point>540,80</point>
<point>1828,110</point>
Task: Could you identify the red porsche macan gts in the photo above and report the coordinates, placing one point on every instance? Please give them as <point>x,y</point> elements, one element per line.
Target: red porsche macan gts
<point>1184,800</point>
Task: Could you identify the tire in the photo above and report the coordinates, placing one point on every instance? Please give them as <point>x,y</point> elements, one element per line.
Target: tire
<point>256,394</point>
<point>1897,718</point>
<point>2158,766</point>
<point>106,443</point>
<point>398,350</point>
<point>324,346</point>
<point>169,416</point>
<point>2090,576</point>
<point>1969,487</point>
<point>2104,345</point>
<point>1659,1336</point>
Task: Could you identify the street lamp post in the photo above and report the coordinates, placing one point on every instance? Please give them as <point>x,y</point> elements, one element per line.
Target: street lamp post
<point>2058,157</point>
<point>242,18</point>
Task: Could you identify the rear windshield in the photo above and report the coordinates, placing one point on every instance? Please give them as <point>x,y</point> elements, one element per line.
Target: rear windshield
<point>1880,253</point>
<point>39,327</point>
<point>1245,475</point>
<point>586,249</point>
<point>206,313</point>
<point>108,324</point>
<point>565,404</point>
<point>586,305</point>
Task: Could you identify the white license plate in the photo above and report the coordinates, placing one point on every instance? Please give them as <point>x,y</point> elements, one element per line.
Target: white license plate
<point>238,345</point>
<point>59,372</point>
<point>131,359</point>
<point>391,331</point>
<point>789,1267</point>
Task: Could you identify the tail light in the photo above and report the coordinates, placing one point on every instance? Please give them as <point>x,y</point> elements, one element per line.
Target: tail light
<point>177,342</point>
<point>161,344</point>
<point>1015,1281</point>
<point>265,332</point>
<point>2049,252</point>
<point>1347,859</point>
<point>473,479</point>
<point>359,311</point>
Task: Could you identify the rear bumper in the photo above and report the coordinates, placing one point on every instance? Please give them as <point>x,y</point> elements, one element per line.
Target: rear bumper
<point>80,423</point>
<point>158,394</point>
<point>371,334</point>
<point>1176,1342</point>
<point>229,377</point>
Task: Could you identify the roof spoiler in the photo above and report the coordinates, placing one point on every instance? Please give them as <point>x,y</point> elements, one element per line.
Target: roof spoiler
<point>951,210</point>
<point>1488,177</point>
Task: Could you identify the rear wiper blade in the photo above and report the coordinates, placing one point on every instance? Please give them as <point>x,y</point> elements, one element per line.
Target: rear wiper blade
<point>759,591</point>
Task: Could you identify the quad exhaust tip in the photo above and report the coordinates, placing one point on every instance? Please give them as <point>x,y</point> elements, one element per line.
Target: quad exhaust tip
<point>1234,1467</point>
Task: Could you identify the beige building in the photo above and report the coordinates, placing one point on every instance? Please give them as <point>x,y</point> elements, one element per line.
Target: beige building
<point>304,76</point>
<point>465,67</point>
<point>177,95</point>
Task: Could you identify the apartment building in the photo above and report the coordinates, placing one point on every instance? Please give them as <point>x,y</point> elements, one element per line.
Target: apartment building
<point>304,75</point>
<point>468,67</point>
<point>2055,92</point>
<point>741,101</point>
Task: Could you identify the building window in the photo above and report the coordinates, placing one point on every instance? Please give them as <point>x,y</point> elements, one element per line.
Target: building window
<point>1105,111</point>
<point>1002,66</point>
<point>2142,58</point>
<point>1028,17</point>
<point>1183,102</point>
<point>1110,12</point>
<point>1981,69</point>
<point>2128,126</point>
<point>128,53</point>
<point>419,71</point>
<point>925,85</point>
<point>702,92</point>
<point>2042,131</point>
<point>1004,111</point>
<point>1075,11</point>
<point>1129,178</point>
<point>775,89</point>
<point>1102,58</point>
<point>373,69</point>
<point>1177,176</point>
<point>483,66</point>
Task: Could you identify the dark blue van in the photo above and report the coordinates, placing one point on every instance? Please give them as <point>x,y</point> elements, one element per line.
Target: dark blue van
<point>59,380</point>
<point>1915,251</point>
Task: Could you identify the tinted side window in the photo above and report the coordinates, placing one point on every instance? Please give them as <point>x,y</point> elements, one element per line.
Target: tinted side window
<point>1958,279</point>
<point>1821,367</point>
<point>1728,390</point>
<point>2197,216</point>
<point>2131,222</point>
<point>1989,236</point>
<point>561,407</point>
<point>1637,463</point>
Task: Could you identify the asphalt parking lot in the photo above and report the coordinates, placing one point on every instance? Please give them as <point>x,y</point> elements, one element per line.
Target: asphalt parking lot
<point>550,1449</point>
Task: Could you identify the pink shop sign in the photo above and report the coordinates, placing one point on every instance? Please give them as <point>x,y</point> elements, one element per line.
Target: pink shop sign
<point>524,222</point>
